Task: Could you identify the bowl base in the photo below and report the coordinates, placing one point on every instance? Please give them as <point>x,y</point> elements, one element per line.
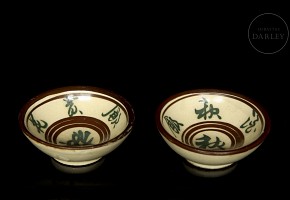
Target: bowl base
<point>82,163</point>
<point>203,166</point>
<point>76,169</point>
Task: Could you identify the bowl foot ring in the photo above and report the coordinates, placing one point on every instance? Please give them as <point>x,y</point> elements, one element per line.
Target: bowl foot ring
<point>203,166</point>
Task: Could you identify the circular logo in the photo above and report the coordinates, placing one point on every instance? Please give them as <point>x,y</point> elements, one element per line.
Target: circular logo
<point>268,33</point>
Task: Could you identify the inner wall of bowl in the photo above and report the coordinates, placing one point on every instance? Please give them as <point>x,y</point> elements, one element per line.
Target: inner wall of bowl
<point>76,118</point>
<point>211,121</point>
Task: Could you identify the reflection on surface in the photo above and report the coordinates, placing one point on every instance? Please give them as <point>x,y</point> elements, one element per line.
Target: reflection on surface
<point>77,169</point>
<point>209,173</point>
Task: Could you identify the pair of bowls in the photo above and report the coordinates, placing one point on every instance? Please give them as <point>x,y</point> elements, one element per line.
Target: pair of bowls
<point>78,125</point>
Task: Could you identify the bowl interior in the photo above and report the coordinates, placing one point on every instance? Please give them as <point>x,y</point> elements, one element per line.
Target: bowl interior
<point>76,118</point>
<point>211,121</point>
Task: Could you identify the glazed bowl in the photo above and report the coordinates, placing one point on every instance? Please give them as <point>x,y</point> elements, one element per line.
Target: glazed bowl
<point>77,125</point>
<point>211,128</point>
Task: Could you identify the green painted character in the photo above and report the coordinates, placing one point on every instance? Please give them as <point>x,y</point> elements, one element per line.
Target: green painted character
<point>208,111</point>
<point>39,124</point>
<point>79,138</point>
<point>114,115</point>
<point>173,124</point>
<point>205,143</point>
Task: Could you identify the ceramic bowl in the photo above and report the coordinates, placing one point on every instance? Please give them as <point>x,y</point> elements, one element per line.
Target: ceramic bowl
<point>210,128</point>
<point>77,125</point>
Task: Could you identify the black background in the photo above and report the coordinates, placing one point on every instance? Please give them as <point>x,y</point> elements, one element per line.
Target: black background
<point>145,53</point>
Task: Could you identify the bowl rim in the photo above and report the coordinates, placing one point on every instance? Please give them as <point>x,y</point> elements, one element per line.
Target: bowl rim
<point>242,149</point>
<point>128,107</point>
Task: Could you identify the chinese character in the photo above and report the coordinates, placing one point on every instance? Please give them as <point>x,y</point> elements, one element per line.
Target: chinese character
<point>207,111</point>
<point>205,142</point>
<point>173,124</point>
<point>38,124</point>
<point>249,124</point>
<point>79,138</point>
<point>114,115</point>
<point>72,109</point>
